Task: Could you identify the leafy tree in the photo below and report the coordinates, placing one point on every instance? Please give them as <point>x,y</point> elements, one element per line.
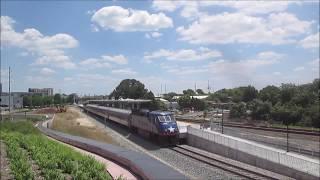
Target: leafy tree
<point>57,99</point>
<point>200,92</point>
<point>37,100</point>
<point>270,93</point>
<point>170,96</point>
<point>131,88</point>
<point>249,94</point>
<point>187,102</point>
<point>47,100</point>
<point>260,110</point>
<point>288,114</point>
<point>287,92</point>
<point>238,110</point>
<point>189,92</point>
<point>221,95</point>
<point>27,101</point>
<point>148,95</point>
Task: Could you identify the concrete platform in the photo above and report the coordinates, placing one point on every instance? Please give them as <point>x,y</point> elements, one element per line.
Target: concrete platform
<point>142,165</point>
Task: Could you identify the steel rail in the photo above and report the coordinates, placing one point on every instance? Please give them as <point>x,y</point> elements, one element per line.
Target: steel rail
<point>249,174</point>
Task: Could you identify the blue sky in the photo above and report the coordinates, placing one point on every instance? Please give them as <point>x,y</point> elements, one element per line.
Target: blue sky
<point>89,47</point>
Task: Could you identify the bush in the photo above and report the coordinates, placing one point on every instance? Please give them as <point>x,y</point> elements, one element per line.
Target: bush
<point>238,110</point>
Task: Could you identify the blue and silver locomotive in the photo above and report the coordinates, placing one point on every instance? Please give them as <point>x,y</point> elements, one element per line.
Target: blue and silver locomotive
<point>159,125</point>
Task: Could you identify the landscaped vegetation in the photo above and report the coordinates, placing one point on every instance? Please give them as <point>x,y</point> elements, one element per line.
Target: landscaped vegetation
<point>27,148</point>
<point>43,101</point>
<point>288,104</point>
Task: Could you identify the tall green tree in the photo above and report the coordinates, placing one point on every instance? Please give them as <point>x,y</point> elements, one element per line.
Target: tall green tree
<point>189,92</point>
<point>271,94</point>
<point>287,92</point>
<point>57,99</point>
<point>170,96</point>
<point>249,94</point>
<point>131,88</point>
<point>200,92</point>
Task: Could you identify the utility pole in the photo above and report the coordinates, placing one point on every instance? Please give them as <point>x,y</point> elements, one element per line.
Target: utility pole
<point>9,90</point>
<point>0,92</point>
<point>222,121</point>
<point>212,86</point>
<point>287,137</point>
<point>208,87</point>
<point>195,87</point>
<point>165,88</point>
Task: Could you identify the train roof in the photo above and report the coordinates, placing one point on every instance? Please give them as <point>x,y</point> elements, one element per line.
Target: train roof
<point>163,113</point>
<point>128,101</point>
<point>111,108</point>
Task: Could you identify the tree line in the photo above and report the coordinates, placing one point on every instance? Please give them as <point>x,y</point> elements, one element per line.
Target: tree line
<point>41,101</point>
<point>289,103</point>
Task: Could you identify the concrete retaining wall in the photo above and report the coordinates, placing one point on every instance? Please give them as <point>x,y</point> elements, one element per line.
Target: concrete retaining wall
<point>265,157</point>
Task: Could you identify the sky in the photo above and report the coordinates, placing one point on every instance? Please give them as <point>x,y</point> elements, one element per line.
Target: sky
<point>88,47</point>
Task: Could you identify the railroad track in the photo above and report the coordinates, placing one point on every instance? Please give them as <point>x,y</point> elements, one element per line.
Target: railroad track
<point>263,128</point>
<point>227,166</point>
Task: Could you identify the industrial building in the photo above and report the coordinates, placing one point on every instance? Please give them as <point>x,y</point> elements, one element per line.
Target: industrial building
<point>16,101</point>
<point>43,91</point>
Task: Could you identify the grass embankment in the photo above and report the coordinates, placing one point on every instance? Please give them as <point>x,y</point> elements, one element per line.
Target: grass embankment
<point>27,147</point>
<point>72,122</point>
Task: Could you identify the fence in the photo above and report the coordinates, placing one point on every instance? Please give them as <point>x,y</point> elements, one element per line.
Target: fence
<point>233,145</point>
<point>303,144</point>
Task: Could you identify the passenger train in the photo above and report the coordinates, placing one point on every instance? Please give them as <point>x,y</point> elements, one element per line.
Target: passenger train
<point>159,125</point>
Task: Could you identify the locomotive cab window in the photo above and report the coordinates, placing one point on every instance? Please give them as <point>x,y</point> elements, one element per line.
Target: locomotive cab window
<point>166,118</point>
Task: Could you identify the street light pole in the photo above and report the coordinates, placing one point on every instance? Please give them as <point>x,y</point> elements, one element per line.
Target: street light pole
<point>287,137</point>
<point>9,91</point>
<point>222,121</point>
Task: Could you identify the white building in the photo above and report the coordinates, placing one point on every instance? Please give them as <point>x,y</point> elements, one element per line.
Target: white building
<point>16,101</point>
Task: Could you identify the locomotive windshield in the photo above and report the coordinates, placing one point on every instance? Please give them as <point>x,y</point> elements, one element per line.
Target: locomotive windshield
<point>166,118</point>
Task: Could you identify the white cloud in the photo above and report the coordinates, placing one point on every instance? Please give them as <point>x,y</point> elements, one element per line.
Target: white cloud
<point>49,49</point>
<point>183,54</point>
<point>187,70</point>
<point>118,59</point>
<point>93,63</point>
<point>300,68</point>
<point>105,61</point>
<point>153,35</point>
<point>276,73</point>
<point>232,70</point>
<point>46,71</point>
<point>189,9</point>
<point>269,55</point>
<point>120,19</point>
<point>68,79</point>
<point>125,71</point>
<point>277,28</point>
<point>251,7</point>
<point>311,41</point>
<point>169,6</point>
<point>314,63</point>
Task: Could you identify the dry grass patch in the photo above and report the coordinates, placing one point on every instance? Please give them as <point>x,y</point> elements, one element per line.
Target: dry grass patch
<point>72,122</point>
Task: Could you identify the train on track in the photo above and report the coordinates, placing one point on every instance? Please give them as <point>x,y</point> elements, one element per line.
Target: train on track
<point>160,126</point>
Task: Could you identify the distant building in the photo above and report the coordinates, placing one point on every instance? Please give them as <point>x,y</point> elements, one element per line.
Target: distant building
<point>43,91</point>
<point>16,100</point>
<point>195,97</point>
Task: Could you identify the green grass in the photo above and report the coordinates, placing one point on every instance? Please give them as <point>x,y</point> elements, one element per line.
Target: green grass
<point>55,160</point>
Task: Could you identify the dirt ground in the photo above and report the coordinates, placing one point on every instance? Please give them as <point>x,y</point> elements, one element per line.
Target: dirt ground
<point>4,163</point>
<point>75,123</point>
